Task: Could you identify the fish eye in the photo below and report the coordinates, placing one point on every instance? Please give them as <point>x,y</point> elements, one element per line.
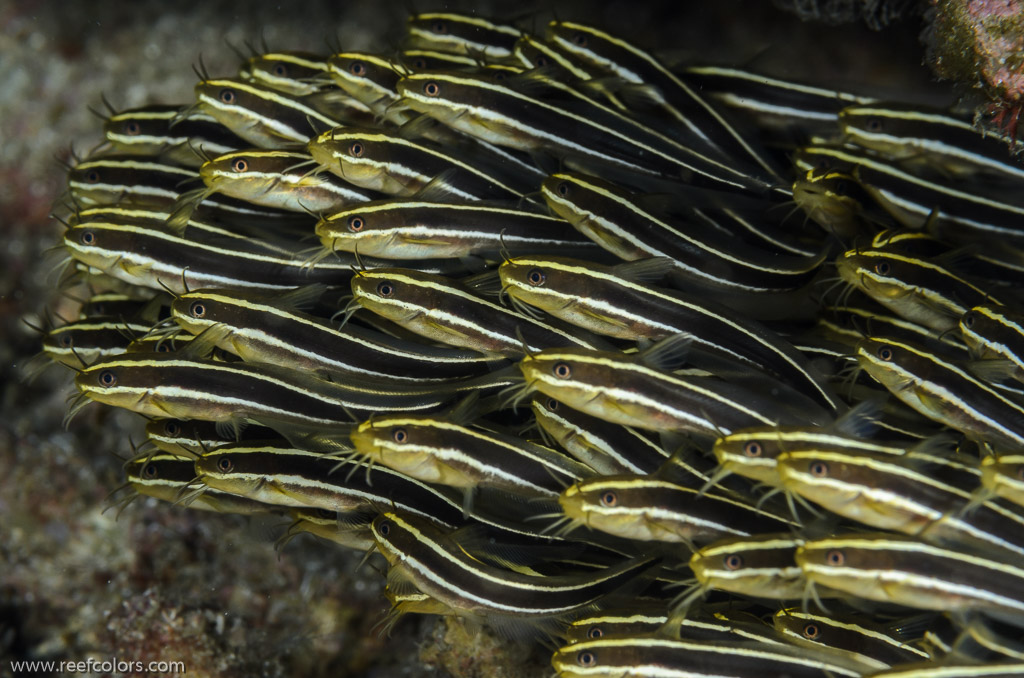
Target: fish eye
<point>885,353</point>
<point>172,428</point>
<point>553,404</point>
<point>227,96</point>
<point>609,499</point>
<point>386,289</point>
<point>562,188</point>
<point>586,659</point>
<point>733,561</point>
<point>225,464</point>
<point>107,378</point>
<point>419,64</point>
<point>835,557</point>
<point>969,318</point>
<point>87,238</point>
<point>400,435</point>
<point>536,277</point>
<point>562,370</point>
<point>357,68</point>
<point>811,631</point>
<point>65,340</point>
<point>874,124</point>
<point>280,70</point>
<point>197,309</point>
<point>356,224</point>
<point>541,62</point>
<point>595,632</point>
<point>132,128</point>
<point>240,165</point>
<point>883,268</point>
<point>579,39</point>
<point>92,176</point>
<point>753,449</point>
<point>384,529</point>
<point>149,471</point>
<point>356,149</point>
<point>439,27</point>
<point>327,513</point>
<point>163,348</point>
<point>819,469</point>
<point>431,89</point>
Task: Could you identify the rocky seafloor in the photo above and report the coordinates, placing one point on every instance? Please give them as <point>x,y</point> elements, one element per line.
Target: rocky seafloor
<point>162,583</point>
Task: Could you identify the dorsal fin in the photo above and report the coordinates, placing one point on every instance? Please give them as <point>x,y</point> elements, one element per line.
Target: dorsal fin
<point>996,369</point>
<point>677,468</point>
<point>439,189</point>
<point>150,311</point>
<point>668,353</point>
<point>417,128</point>
<point>466,411</point>
<point>485,283</point>
<point>302,298</point>
<point>203,343</point>
<point>184,207</point>
<point>644,270</point>
<point>861,420</point>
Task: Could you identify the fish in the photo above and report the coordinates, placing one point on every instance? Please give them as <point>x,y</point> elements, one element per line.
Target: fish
<point>460,34</point>
<point>272,328</point>
<point>943,391</point>
<point>83,342</point>
<point>190,438</point>
<point>507,113</point>
<point>448,450</point>
<point>615,219</point>
<point>877,646</point>
<point>430,559</point>
<point>414,229</point>
<point>916,202</point>
<point>919,290</point>
<point>689,108</point>
<point>640,391</point>
<point>919,494</point>
<point>934,140</point>
<point>656,656</point>
<point>387,161</point>
<point>1002,475</point>
<point>171,133</point>
<point>903,570</point>
<point>268,118</point>
<point>786,110</point>
<point>292,72</point>
<point>619,302</point>
<point>161,259</point>
<point>183,386</point>
<point>443,309</point>
<point>281,179</point>
<point>649,616</point>
<point>995,337</point>
<point>606,448</point>
<point>836,202</point>
<point>656,509</point>
<point>759,565</point>
<point>171,478</point>
<point>350,529</point>
<point>281,475</point>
